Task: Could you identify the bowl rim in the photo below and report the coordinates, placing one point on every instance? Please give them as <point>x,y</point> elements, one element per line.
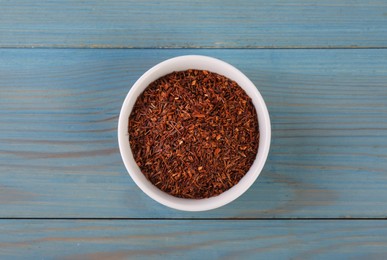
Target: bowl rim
<point>203,63</point>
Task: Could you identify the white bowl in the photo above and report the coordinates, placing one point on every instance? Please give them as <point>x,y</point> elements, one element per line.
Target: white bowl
<point>201,63</point>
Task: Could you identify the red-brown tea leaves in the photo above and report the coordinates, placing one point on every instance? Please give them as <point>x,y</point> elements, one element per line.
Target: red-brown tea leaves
<point>194,134</point>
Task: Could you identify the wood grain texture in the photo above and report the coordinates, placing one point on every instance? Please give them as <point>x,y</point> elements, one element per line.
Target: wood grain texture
<point>193,24</point>
<point>155,239</point>
<point>58,146</point>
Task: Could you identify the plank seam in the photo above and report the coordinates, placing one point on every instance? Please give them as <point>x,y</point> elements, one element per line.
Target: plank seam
<point>199,48</point>
<point>204,219</point>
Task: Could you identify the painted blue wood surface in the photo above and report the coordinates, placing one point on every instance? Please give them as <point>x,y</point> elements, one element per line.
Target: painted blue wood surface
<point>325,87</point>
<point>193,24</point>
<point>58,145</point>
<point>177,239</point>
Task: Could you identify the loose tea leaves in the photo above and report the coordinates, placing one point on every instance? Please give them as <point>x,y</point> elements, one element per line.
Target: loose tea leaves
<point>194,134</point>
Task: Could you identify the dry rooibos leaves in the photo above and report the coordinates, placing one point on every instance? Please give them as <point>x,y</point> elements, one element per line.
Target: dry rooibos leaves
<point>194,134</point>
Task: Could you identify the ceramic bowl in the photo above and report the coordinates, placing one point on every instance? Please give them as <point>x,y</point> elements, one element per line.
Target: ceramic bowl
<point>201,63</point>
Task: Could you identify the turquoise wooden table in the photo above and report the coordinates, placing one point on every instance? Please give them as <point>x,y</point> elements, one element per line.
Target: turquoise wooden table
<point>66,66</point>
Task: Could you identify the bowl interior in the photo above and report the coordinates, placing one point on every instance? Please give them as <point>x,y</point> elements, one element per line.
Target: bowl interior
<point>201,63</point>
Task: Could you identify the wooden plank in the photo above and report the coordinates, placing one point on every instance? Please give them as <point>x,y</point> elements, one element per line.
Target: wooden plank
<point>71,239</point>
<point>192,24</point>
<point>58,146</point>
